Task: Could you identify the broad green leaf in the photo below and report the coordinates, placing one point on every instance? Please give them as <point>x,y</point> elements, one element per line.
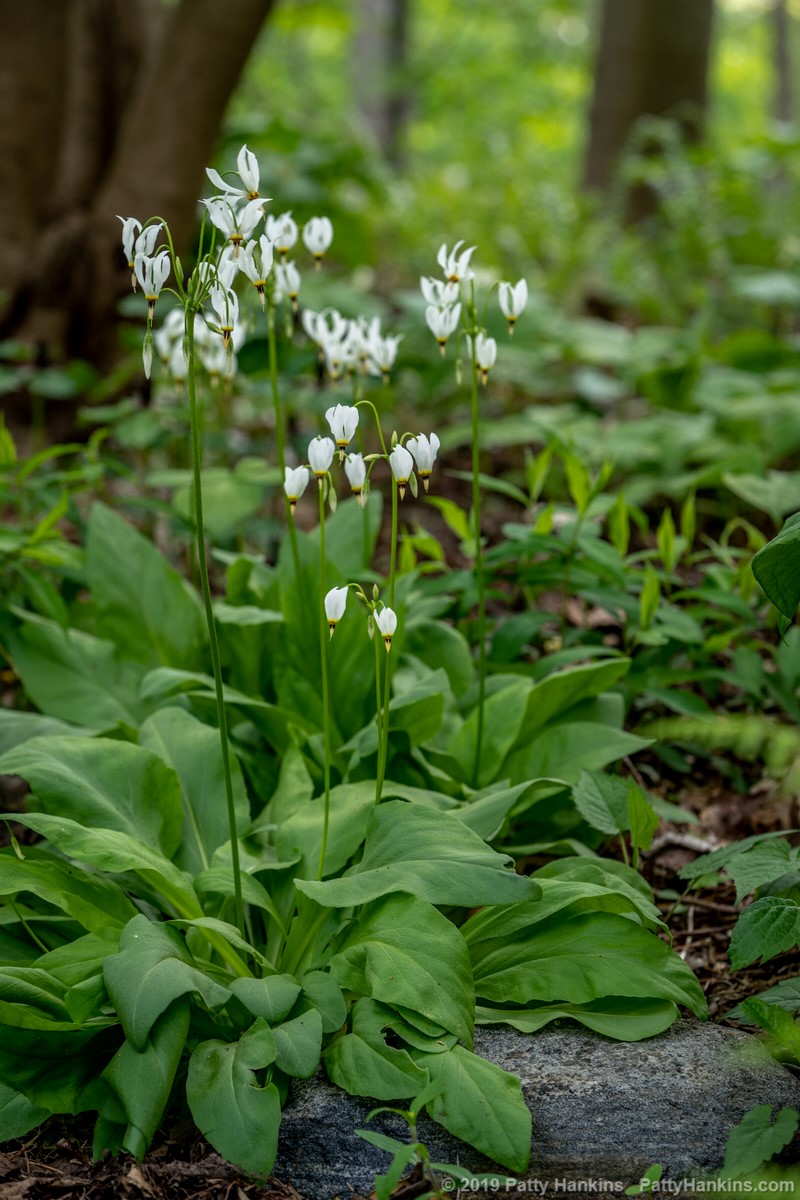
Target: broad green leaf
<point>481,1104</point>
<point>708,863</point>
<point>110,850</point>
<point>18,1114</point>
<point>760,865</point>
<point>607,873</point>
<point>142,1079</point>
<point>143,604</point>
<point>785,994</point>
<point>556,694</point>
<point>778,1023</point>
<point>429,854</point>
<point>776,494</point>
<point>486,813</point>
<point>322,990</point>
<point>299,1044</point>
<point>602,800</point>
<point>94,902</point>
<point>51,1069</point>
<point>583,959</point>
<point>440,645</point>
<point>402,951</point>
<point>362,1063</point>
<point>74,676</point>
<point>33,989</point>
<point>192,750</point>
<point>614,1016</point>
<point>504,713</point>
<point>18,727</point>
<point>765,928</point>
<point>301,834</point>
<point>756,1139</point>
<point>563,751</point>
<point>102,783</point>
<point>776,566</point>
<point>239,1118</point>
<point>152,969</point>
<point>271,999</point>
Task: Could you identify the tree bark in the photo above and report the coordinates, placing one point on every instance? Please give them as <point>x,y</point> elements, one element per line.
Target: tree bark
<point>380,89</point>
<point>123,117</point>
<point>652,61</point>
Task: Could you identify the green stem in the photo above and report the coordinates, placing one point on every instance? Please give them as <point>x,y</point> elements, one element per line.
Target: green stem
<point>323,648</point>
<point>393,548</point>
<point>212,631</point>
<point>479,575</point>
<point>383,724</point>
<point>280,433</point>
<point>378,709</point>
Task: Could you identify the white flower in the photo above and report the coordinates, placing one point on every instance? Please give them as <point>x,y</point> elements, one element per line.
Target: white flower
<point>216,359</point>
<point>247,163</point>
<point>226,307</point>
<point>146,241</point>
<point>442,322</point>
<point>318,235</point>
<point>424,451</point>
<point>485,354</point>
<point>255,261</point>
<point>236,224</point>
<point>437,293</point>
<point>512,297</point>
<point>295,482</point>
<point>343,420</point>
<point>282,232</point>
<point>287,279</point>
<point>381,354</point>
<point>386,620</point>
<point>356,471</point>
<point>455,266</point>
<point>152,275</point>
<point>320,455</point>
<point>402,465</point>
<point>340,353</point>
<point>335,603</point>
<point>130,228</point>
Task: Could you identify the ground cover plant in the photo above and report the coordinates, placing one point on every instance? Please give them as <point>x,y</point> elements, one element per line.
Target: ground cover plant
<point>268,842</point>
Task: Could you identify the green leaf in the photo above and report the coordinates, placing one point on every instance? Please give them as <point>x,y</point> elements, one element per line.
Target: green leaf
<point>429,854</point>
<point>110,850</point>
<point>551,699</point>
<point>142,1079</point>
<point>642,818</point>
<point>299,1044</point>
<point>192,750</point>
<point>73,676</point>
<point>143,604</point>
<point>238,1117</point>
<point>18,1114</point>
<point>765,928</point>
<point>153,968</point>
<point>504,713</point>
<point>582,959</point>
<point>402,951</point>
<point>271,998</point>
<point>563,751</point>
<point>755,1140</point>
<point>322,990</point>
<point>777,568</point>
<point>616,1017</point>
<point>102,783</point>
<point>362,1063</point>
<point>776,494</point>
<point>481,1104</point>
<point>759,865</point>
<point>18,727</point>
<point>785,994</point>
<point>92,901</point>
<point>300,835</point>
<point>51,1069</point>
<point>777,1022</point>
<point>602,800</point>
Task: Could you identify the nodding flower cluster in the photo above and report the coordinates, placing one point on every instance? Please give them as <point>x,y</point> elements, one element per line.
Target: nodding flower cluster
<point>347,346</point>
<point>236,249</point>
<point>446,305</point>
<point>384,618</point>
<point>343,421</point>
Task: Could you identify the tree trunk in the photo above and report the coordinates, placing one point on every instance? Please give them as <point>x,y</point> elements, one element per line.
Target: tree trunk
<point>111,107</point>
<point>652,61</point>
<point>380,88</point>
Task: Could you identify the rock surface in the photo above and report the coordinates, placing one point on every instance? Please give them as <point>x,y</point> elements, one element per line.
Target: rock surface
<point>602,1110</point>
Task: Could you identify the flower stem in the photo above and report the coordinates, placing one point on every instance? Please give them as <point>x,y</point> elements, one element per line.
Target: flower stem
<point>280,433</point>
<point>212,631</point>
<point>383,723</point>
<point>479,573</point>
<point>323,646</point>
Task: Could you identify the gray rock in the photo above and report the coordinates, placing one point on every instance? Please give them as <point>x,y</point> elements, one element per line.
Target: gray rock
<point>602,1110</point>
